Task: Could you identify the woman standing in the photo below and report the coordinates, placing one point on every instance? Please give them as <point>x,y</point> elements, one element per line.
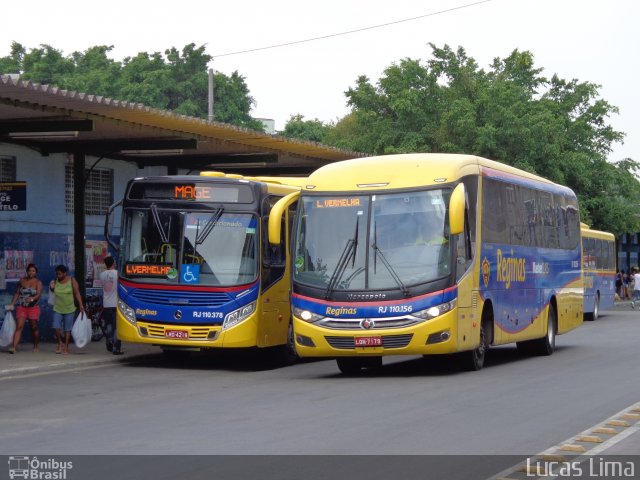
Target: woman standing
<point>64,310</point>
<point>27,296</point>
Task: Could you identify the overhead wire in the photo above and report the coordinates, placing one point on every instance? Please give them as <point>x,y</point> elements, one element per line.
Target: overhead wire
<point>323,37</point>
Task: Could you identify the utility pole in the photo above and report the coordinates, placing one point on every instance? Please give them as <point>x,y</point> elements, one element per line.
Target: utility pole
<point>210,117</point>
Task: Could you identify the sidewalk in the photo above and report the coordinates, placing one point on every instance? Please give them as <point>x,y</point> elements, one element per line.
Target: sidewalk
<point>25,361</point>
<point>625,304</point>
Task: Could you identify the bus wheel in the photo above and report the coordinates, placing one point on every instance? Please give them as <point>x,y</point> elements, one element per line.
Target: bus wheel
<point>473,360</point>
<point>546,345</point>
<point>289,354</point>
<point>357,365</point>
<point>596,309</point>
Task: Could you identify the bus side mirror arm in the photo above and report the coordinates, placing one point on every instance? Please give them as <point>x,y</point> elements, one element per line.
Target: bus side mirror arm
<point>275,217</point>
<point>457,210</point>
<point>108,224</point>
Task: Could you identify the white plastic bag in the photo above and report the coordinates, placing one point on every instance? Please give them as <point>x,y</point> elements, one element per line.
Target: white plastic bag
<point>81,330</point>
<point>51,299</point>
<point>7,330</point>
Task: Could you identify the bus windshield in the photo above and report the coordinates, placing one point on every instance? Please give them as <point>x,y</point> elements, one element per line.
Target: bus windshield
<point>380,242</point>
<point>213,248</point>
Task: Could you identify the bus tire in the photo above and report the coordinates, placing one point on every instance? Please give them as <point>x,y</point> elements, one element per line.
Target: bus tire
<point>357,365</point>
<point>593,316</point>
<point>288,355</point>
<point>473,360</point>
<point>546,345</point>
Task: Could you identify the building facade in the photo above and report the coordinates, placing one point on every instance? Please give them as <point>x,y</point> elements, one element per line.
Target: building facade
<point>36,217</point>
<point>628,251</point>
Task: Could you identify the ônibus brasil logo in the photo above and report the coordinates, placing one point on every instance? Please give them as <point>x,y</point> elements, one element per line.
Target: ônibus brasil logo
<point>38,469</point>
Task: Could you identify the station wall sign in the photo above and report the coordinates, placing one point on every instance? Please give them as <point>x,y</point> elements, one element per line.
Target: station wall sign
<point>13,196</point>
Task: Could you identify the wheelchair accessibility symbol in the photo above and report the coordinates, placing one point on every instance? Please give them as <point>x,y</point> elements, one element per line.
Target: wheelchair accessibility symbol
<point>190,273</point>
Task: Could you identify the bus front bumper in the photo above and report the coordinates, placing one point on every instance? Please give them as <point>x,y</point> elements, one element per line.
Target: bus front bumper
<point>242,335</point>
<point>435,336</point>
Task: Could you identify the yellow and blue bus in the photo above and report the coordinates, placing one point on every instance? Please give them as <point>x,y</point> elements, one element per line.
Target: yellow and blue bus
<point>598,270</point>
<point>430,254</point>
<point>196,270</point>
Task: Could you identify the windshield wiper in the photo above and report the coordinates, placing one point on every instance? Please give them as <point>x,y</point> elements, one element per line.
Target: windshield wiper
<point>403,287</point>
<point>206,230</point>
<point>348,253</point>
<point>164,236</point>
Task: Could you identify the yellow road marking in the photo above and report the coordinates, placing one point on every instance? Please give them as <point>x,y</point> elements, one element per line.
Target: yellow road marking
<point>608,431</point>
<point>570,447</point>
<point>589,438</point>
<point>618,423</point>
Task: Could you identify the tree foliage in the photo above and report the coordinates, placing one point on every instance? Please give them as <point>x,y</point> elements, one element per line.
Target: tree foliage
<point>176,80</point>
<point>510,112</point>
<point>310,130</point>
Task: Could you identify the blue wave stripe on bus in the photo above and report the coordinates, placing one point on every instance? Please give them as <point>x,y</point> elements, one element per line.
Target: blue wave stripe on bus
<point>379,309</point>
<point>520,281</point>
<point>195,307</point>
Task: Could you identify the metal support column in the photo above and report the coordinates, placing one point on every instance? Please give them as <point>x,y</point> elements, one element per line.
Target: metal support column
<point>79,221</point>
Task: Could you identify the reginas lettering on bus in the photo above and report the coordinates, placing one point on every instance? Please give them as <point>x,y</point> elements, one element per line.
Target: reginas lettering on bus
<point>336,312</point>
<point>511,269</point>
<point>338,202</point>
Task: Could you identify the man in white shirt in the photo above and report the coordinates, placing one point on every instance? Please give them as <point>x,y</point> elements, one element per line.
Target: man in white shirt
<point>109,299</point>
<point>636,287</point>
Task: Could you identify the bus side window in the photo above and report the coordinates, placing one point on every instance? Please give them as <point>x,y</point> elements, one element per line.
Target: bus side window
<point>273,257</point>
<point>465,241</point>
<point>273,264</point>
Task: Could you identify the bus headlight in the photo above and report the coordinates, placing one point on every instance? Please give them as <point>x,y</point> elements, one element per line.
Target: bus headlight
<point>433,312</point>
<point>127,312</point>
<point>238,315</point>
<point>306,315</point>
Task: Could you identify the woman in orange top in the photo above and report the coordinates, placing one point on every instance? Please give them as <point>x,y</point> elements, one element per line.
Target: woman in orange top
<point>27,296</point>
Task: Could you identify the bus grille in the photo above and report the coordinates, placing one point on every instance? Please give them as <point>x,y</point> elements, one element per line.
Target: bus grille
<point>354,323</point>
<point>195,333</point>
<point>184,298</point>
<point>388,341</point>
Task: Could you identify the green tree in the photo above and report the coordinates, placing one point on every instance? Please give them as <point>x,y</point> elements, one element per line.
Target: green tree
<point>311,130</point>
<point>13,62</point>
<point>511,113</point>
<point>233,101</point>
<point>176,81</point>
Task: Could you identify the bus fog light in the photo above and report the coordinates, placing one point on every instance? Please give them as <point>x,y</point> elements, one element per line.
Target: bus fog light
<point>304,341</point>
<point>438,337</point>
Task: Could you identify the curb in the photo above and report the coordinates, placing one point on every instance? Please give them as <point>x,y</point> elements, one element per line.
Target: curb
<point>64,366</point>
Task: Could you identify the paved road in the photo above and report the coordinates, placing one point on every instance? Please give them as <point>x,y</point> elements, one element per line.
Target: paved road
<point>234,404</point>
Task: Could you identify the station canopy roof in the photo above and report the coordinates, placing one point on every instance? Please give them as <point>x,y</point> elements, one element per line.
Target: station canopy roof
<point>52,120</point>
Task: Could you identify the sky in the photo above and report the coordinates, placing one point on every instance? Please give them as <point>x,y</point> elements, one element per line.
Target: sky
<point>587,40</point>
